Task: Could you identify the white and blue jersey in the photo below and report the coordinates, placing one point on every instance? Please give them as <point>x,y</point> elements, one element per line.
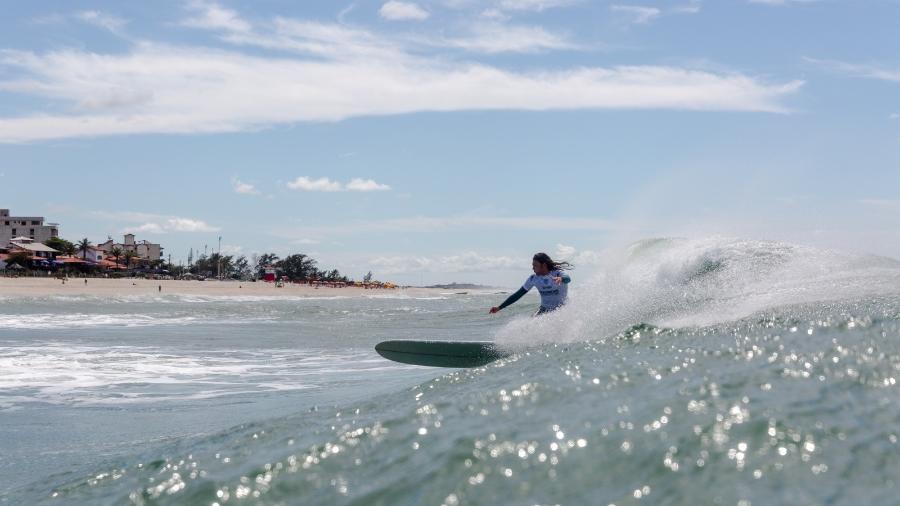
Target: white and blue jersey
<point>552,295</point>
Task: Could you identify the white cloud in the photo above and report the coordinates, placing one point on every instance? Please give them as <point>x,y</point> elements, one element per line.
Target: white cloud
<point>243,188</point>
<point>154,223</point>
<point>174,224</point>
<point>395,11</point>
<point>869,71</point>
<point>305,241</point>
<point>489,37</point>
<point>533,5</point>
<point>781,2</point>
<point>109,22</point>
<point>692,7</point>
<point>894,115</point>
<point>210,15</point>
<point>638,14</point>
<point>323,184</point>
<point>365,185</point>
<point>330,73</point>
<point>578,258</point>
<point>462,262</point>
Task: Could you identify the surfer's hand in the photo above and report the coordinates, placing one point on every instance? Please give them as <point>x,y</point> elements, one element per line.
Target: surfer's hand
<point>494,309</point>
<point>558,280</point>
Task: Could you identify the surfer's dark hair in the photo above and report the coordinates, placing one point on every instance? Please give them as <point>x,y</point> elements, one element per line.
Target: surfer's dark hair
<point>551,265</point>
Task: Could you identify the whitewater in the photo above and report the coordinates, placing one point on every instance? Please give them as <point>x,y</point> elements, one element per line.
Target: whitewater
<point>682,371</point>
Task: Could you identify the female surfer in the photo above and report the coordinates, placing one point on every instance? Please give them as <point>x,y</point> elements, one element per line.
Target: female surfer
<point>549,279</point>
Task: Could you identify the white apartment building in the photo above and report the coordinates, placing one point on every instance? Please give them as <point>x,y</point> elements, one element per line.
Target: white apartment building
<point>32,227</point>
<point>145,250</point>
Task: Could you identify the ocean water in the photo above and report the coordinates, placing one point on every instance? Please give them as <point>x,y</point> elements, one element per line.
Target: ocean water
<point>704,371</point>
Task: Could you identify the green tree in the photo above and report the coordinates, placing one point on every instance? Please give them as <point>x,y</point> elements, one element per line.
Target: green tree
<point>368,277</point>
<point>116,252</point>
<point>20,258</point>
<point>241,268</point>
<point>297,266</point>
<point>84,245</point>
<point>59,244</point>
<point>129,256</point>
<point>264,260</point>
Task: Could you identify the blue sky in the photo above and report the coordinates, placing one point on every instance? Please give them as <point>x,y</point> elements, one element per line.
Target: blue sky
<point>449,140</point>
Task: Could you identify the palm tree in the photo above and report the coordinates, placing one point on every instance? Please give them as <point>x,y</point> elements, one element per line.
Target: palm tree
<point>128,256</point>
<point>69,249</point>
<point>83,245</point>
<point>116,252</point>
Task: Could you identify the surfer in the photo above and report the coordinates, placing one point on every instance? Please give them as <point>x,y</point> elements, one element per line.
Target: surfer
<point>550,280</point>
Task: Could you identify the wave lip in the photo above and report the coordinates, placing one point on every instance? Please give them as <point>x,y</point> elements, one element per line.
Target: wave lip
<point>672,282</point>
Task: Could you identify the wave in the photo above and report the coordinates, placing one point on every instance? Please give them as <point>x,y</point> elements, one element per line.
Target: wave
<point>678,283</point>
<point>61,373</point>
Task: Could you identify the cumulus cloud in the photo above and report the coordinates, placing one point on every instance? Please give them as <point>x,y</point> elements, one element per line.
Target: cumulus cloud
<point>324,184</point>
<point>243,188</point>
<point>578,257</point>
<point>396,11</point>
<point>365,185</point>
<point>173,224</point>
<point>329,72</point>
<point>154,223</point>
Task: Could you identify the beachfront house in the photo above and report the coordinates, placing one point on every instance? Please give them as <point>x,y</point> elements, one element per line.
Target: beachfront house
<point>29,227</point>
<point>93,254</point>
<point>144,249</point>
<point>37,250</point>
<point>39,254</point>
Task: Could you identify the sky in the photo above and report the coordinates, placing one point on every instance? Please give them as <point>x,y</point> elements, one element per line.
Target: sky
<point>449,140</point>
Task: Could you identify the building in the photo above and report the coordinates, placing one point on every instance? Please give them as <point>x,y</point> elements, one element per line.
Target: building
<point>36,250</point>
<point>145,250</point>
<point>31,227</point>
<point>92,254</point>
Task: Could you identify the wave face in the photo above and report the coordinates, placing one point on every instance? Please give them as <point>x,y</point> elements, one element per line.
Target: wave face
<point>710,371</point>
<point>679,283</point>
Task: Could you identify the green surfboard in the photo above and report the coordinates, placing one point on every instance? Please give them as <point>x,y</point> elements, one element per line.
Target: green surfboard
<point>441,353</point>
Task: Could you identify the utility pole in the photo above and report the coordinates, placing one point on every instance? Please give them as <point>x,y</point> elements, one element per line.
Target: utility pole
<point>219,263</point>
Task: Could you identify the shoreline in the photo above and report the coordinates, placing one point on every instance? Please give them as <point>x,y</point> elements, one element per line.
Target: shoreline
<point>115,287</point>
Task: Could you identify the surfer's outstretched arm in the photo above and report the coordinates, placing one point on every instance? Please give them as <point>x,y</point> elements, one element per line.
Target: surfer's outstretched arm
<point>510,300</point>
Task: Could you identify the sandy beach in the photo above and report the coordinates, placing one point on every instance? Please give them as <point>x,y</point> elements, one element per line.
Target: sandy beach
<point>38,287</point>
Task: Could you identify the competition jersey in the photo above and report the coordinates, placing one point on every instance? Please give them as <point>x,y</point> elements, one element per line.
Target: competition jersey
<point>552,295</point>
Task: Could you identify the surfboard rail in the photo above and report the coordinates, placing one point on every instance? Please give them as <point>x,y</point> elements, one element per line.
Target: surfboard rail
<point>458,354</point>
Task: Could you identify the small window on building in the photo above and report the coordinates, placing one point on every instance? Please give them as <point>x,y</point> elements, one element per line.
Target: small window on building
<point>7,223</point>
<point>31,232</point>
<point>14,232</point>
<point>35,222</point>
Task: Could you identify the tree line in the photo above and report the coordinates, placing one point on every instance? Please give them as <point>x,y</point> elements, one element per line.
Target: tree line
<point>298,266</point>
